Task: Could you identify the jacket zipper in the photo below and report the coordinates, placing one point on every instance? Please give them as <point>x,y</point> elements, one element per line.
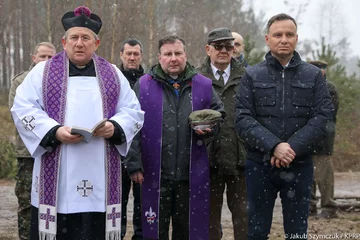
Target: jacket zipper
<point>176,101</point>
<point>177,104</point>
<point>283,99</point>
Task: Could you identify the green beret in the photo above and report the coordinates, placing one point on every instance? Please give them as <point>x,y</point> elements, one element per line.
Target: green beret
<point>205,118</point>
<point>319,64</point>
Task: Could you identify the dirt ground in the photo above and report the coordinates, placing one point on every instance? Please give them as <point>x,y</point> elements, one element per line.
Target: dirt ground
<point>347,226</point>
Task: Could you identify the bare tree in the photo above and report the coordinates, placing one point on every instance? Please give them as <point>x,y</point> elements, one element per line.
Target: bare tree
<point>150,19</point>
<point>48,19</point>
<point>27,22</point>
<point>113,32</point>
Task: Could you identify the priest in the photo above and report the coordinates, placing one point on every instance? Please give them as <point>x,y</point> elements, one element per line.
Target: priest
<point>76,186</point>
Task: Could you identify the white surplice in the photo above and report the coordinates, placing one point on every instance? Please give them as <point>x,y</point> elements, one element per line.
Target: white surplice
<point>82,177</point>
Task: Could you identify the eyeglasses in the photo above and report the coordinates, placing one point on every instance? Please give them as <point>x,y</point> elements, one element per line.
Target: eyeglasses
<point>219,47</point>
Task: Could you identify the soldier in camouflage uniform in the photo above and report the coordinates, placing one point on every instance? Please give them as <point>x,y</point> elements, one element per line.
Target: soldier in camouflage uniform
<point>42,52</point>
<point>323,169</point>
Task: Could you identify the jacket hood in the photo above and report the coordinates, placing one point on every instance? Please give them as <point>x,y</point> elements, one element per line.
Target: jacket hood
<point>157,73</point>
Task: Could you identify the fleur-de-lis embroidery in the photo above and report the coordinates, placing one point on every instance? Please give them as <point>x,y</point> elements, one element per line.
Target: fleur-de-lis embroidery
<point>150,216</point>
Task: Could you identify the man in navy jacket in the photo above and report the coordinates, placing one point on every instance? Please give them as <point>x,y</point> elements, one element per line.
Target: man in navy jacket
<point>282,109</point>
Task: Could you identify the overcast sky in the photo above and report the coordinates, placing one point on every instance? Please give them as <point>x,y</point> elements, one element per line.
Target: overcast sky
<point>345,18</point>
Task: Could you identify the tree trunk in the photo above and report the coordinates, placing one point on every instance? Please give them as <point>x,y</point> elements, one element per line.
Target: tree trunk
<point>3,57</point>
<point>113,32</point>
<point>16,40</point>
<point>150,14</point>
<point>48,20</point>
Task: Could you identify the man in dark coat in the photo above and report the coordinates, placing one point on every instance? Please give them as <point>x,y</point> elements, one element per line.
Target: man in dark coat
<point>131,54</point>
<point>282,109</point>
<point>227,151</point>
<point>323,169</point>
<point>169,157</point>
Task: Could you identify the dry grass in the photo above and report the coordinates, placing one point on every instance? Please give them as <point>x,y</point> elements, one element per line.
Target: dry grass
<point>7,129</point>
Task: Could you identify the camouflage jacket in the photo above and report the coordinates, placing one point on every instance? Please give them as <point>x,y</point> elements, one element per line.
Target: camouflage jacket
<point>326,146</point>
<point>21,150</point>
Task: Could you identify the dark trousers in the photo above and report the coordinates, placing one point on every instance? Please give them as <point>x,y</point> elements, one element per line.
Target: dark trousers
<point>174,205</point>
<point>237,203</point>
<point>126,186</point>
<point>75,226</point>
<point>263,184</point>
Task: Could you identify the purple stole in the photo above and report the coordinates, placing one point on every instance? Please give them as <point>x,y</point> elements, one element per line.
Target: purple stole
<point>151,148</point>
<point>54,94</point>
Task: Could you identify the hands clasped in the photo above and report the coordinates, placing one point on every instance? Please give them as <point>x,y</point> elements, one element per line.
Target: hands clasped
<point>283,155</point>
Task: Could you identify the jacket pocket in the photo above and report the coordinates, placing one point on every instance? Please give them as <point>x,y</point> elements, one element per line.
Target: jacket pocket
<point>265,94</point>
<point>241,152</point>
<point>302,94</point>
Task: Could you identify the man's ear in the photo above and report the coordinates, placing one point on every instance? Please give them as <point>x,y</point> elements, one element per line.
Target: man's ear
<point>63,41</point>
<point>97,43</point>
<point>207,48</point>
<point>266,39</point>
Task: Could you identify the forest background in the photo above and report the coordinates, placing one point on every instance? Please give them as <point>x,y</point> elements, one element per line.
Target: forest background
<point>24,23</point>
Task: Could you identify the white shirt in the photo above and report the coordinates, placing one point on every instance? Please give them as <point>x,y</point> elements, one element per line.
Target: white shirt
<point>81,186</point>
<point>226,73</point>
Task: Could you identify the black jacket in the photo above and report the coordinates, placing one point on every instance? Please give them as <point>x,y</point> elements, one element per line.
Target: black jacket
<point>132,75</point>
<point>277,104</point>
<point>176,136</point>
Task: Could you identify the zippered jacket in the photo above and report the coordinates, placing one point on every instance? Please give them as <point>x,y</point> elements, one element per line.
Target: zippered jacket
<point>176,131</point>
<point>282,104</point>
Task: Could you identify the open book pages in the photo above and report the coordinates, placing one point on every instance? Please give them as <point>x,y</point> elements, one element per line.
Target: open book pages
<point>88,133</point>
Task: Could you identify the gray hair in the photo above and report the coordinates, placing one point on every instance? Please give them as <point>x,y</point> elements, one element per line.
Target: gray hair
<point>46,44</point>
<point>67,34</point>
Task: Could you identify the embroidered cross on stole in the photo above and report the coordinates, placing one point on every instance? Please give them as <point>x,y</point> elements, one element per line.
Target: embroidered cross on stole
<point>55,80</point>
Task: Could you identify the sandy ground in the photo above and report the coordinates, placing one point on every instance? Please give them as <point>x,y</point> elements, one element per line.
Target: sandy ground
<point>347,226</point>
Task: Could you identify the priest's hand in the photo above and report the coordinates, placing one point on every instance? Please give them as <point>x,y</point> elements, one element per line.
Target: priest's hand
<point>106,131</point>
<point>137,177</point>
<point>63,134</point>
